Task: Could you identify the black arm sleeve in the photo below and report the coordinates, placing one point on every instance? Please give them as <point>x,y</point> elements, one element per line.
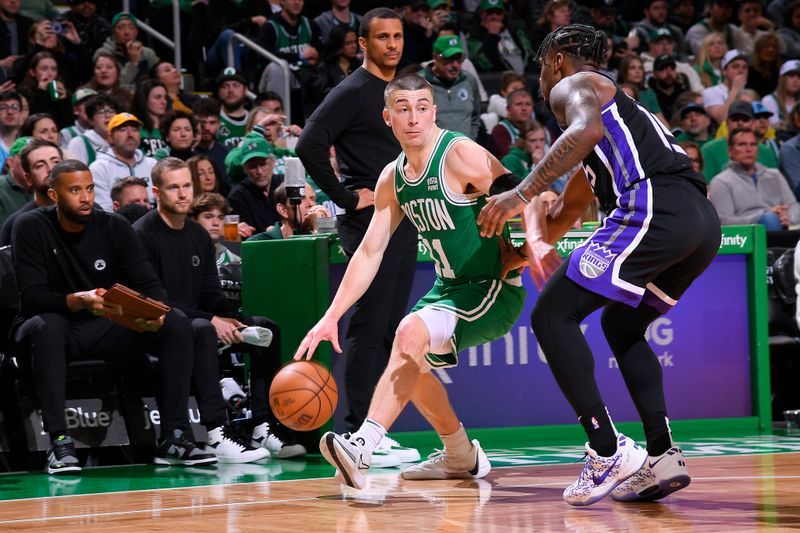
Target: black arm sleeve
<point>504,183</point>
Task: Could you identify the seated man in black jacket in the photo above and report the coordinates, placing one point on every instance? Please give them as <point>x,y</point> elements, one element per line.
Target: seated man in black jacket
<point>67,256</point>
<point>183,256</point>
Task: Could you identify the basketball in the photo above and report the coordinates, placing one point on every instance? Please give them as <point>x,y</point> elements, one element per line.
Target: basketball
<point>303,395</point>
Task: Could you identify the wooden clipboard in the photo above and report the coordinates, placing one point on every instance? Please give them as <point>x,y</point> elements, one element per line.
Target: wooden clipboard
<point>134,305</point>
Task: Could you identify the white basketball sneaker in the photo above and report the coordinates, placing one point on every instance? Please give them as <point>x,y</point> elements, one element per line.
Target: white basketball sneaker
<point>349,458</point>
<point>441,465</point>
<point>601,475</point>
<point>404,453</point>
<point>659,477</point>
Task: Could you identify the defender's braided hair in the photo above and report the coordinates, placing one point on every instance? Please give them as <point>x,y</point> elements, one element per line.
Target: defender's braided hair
<point>577,40</point>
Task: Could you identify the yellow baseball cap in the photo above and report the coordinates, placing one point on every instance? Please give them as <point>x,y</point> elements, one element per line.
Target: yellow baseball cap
<point>122,118</point>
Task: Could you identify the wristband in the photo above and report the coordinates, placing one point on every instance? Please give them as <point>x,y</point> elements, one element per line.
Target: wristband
<point>521,196</point>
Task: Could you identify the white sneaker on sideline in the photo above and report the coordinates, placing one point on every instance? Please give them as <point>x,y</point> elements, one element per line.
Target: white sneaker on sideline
<point>231,448</point>
<point>404,453</point>
<point>440,465</point>
<point>601,475</point>
<point>277,439</point>
<point>659,477</point>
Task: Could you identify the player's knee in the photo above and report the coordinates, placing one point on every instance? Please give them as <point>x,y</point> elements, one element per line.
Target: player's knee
<point>411,338</point>
<point>541,316</point>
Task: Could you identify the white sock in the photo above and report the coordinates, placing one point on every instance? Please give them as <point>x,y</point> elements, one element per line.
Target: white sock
<point>371,433</point>
<point>457,443</point>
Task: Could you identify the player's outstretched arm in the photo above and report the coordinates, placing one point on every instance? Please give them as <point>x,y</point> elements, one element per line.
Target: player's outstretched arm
<point>574,102</point>
<point>362,267</point>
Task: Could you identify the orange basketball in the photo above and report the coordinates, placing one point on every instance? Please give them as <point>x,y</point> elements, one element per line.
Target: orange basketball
<point>303,395</point>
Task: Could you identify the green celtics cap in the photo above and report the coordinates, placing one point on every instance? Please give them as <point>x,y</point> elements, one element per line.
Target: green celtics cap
<point>448,46</point>
<point>122,16</point>
<point>18,145</point>
<point>433,4</point>
<point>255,147</point>
<point>489,5</point>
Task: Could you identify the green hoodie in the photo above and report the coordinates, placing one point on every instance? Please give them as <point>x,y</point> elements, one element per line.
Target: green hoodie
<point>518,161</point>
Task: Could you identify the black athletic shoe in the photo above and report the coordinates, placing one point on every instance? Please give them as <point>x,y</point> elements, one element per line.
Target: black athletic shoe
<point>176,449</point>
<point>61,457</point>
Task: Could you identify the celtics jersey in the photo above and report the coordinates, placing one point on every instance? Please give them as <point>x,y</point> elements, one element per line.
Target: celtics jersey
<point>231,131</point>
<point>288,44</point>
<point>446,219</point>
<point>513,131</point>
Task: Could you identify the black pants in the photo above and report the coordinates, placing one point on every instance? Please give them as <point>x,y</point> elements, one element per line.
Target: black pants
<point>205,374</point>
<point>683,240</point>
<point>377,314</point>
<point>264,364</point>
<point>52,342</point>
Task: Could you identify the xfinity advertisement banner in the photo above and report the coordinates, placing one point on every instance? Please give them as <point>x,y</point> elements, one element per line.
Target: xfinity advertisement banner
<point>702,345</point>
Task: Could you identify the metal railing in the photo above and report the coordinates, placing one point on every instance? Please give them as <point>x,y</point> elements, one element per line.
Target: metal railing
<point>175,43</point>
<point>238,37</point>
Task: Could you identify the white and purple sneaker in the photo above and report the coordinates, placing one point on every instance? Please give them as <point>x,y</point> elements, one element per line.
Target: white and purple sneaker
<point>658,477</point>
<point>601,475</point>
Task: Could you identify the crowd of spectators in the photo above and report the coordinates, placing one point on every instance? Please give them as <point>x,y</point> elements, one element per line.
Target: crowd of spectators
<point>722,76</point>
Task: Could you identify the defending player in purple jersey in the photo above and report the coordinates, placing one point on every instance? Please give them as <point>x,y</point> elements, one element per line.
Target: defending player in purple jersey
<point>660,232</point>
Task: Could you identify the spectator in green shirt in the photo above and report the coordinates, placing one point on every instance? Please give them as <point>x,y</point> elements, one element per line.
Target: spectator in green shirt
<point>715,153</point>
<point>14,190</point>
<point>694,123</point>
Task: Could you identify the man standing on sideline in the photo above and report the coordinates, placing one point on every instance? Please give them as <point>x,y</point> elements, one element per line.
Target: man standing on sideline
<point>660,234</point>
<point>67,254</point>
<point>364,144</point>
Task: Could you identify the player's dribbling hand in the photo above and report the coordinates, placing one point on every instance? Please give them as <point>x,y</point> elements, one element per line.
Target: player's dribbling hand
<point>498,209</point>
<point>543,260</point>
<point>327,329</point>
<point>542,263</point>
<point>513,259</point>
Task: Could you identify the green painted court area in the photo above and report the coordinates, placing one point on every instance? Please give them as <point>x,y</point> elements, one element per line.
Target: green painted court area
<point>505,448</point>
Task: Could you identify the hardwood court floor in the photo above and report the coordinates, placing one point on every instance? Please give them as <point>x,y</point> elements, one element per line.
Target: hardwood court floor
<point>728,493</point>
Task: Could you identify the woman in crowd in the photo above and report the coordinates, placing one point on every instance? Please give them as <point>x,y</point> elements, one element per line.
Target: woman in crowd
<point>693,153</point>
<point>66,49</point>
<point>709,59</point>
<point>554,15</point>
<point>785,97</point>
<point>338,60</point>
<point>40,126</point>
<point>527,150</point>
<point>149,105</point>
<point>177,129</point>
<point>204,176</point>
<point>166,73</point>
<point>631,70</point>
<point>36,86</point>
<point>105,79</point>
<point>765,65</point>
